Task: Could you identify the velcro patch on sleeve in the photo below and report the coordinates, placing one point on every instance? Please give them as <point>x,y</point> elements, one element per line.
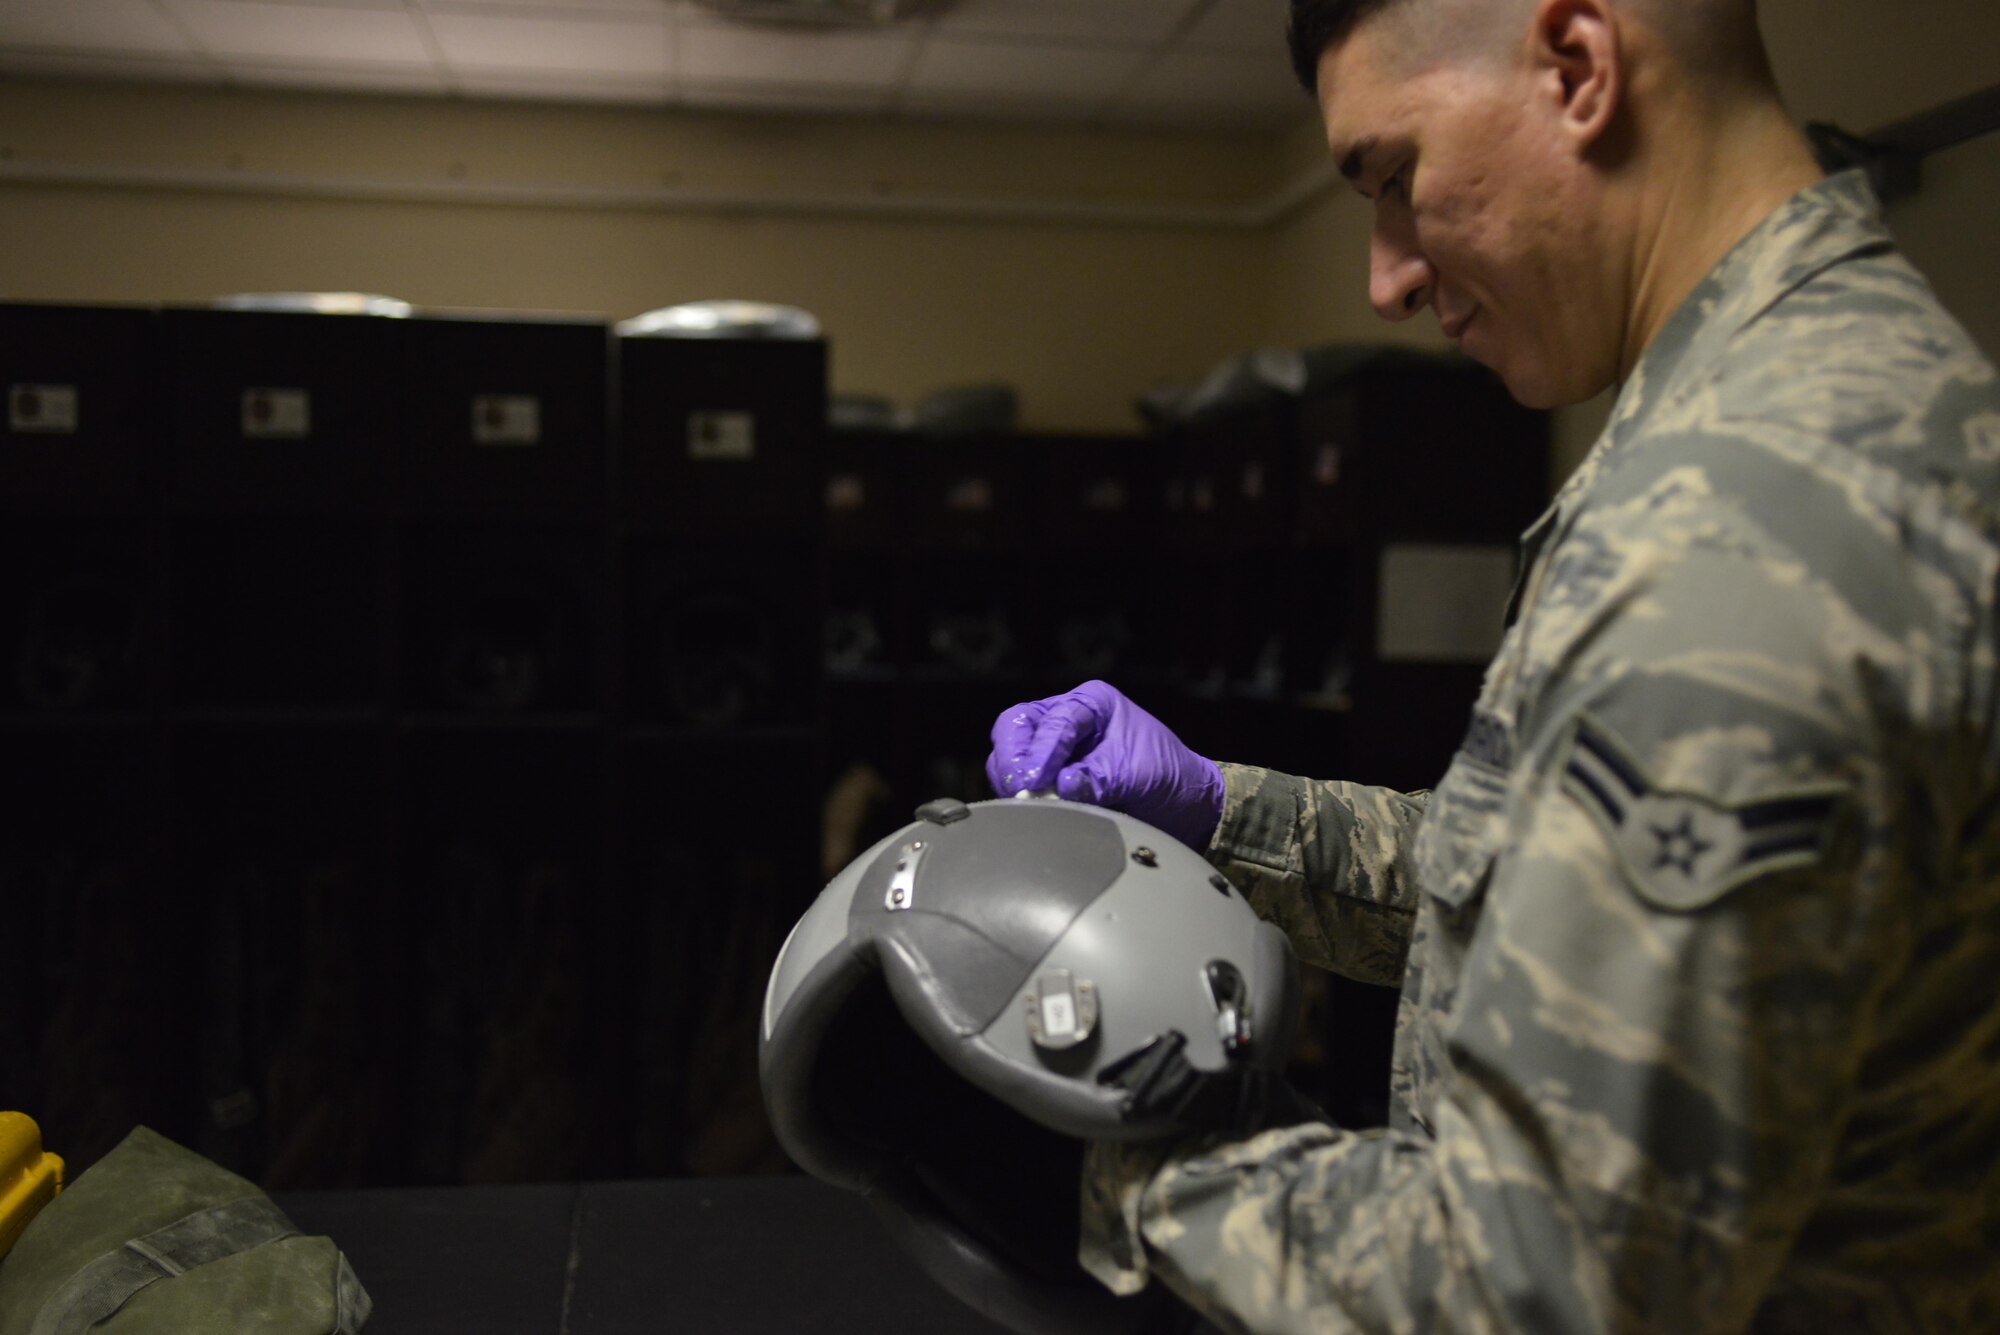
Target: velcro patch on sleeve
<point>1682,850</point>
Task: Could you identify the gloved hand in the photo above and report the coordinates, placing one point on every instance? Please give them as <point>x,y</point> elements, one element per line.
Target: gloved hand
<point>1094,745</point>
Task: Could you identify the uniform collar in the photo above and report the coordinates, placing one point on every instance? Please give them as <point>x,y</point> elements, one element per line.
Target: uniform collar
<point>1821,226</point>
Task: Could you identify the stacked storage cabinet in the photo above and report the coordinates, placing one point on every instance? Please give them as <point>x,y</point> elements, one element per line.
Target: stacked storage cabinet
<point>1415,478</point>
<point>720,571</point>
<point>1105,611</point>
<point>403,791</point>
<point>969,572</point>
<point>504,745</point>
<point>279,546</point>
<point>969,576</point>
<point>94,994</point>
<point>1314,582</point>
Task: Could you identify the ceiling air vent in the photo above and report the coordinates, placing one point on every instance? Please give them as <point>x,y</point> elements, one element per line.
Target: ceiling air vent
<point>868,12</point>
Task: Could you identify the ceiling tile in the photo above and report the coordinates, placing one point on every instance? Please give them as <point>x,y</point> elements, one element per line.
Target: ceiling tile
<point>90,25</point>
<point>1863,64</point>
<point>555,46</point>
<point>1240,25</point>
<point>1142,22</point>
<point>1214,88</point>
<point>712,54</point>
<point>303,34</point>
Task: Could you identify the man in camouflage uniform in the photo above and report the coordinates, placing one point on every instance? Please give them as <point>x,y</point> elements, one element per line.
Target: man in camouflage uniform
<point>1697,938</point>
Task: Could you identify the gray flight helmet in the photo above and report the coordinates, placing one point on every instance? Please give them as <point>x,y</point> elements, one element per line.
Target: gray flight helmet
<point>982,992</point>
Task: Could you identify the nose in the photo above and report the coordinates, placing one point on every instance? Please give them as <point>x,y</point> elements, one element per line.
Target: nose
<point>1400,279</point>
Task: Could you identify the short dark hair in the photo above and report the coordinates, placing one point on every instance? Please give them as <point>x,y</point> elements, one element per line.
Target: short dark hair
<point>1316,25</point>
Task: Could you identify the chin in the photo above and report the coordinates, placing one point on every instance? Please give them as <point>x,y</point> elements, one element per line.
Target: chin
<point>1526,388</point>
<point>1537,394</point>
<point>1533,387</point>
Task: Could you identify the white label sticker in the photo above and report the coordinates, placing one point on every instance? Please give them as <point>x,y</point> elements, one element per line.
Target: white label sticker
<point>722,436</point>
<point>1058,1015</point>
<point>277,414</point>
<point>506,419</point>
<point>43,409</point>
<point>1443,604</point>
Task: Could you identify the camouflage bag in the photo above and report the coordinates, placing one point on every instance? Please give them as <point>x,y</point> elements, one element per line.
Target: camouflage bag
<point>155,1238</point>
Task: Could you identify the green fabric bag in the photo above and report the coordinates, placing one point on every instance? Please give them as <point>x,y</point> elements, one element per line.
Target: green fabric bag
<point>155,1238</point>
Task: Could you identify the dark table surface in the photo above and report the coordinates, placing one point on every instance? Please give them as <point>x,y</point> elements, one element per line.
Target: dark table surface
<point>745,1256</point>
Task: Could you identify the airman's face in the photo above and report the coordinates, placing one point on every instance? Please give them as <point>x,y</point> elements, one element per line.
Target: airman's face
<point>1476,210</point>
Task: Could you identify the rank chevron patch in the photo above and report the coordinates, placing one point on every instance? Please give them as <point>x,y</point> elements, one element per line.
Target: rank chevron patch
<point>1683,850</point>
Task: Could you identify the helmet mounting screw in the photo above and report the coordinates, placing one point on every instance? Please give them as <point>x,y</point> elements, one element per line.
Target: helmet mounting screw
<point>903,883</point>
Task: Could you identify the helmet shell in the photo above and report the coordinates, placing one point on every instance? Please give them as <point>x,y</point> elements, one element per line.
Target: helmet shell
<point>899,1061</point>
<point>996,897</point>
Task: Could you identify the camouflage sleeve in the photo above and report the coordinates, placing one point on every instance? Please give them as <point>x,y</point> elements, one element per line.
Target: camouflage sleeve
<point>1662,989</point>
<point>1327,862</point>
<point>1643,1102</point>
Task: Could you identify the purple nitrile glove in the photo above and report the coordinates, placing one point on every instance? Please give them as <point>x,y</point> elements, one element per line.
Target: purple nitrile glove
<point>1094,745</point>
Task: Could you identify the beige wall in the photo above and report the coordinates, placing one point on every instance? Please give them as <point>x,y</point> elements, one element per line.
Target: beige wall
<point>1081,315</point>
<point>1948,231</point>
<point>1080,318</point>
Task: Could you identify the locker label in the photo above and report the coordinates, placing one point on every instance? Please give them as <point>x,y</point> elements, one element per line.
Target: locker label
<point>726,437</point>
<point>42,409</point>
<point>506,419</point>
<point>276,414</point>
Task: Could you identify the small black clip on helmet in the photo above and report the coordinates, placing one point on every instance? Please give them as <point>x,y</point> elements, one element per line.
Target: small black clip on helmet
<point>1060,959</point>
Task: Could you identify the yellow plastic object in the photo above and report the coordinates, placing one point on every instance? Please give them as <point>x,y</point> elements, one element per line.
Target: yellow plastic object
<point>30,1177</point>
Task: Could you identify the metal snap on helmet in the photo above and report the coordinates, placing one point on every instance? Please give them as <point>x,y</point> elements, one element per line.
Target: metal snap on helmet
<point>979,994</point>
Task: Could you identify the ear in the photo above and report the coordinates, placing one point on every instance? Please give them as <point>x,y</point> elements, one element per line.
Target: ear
<point>1575,49</point>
